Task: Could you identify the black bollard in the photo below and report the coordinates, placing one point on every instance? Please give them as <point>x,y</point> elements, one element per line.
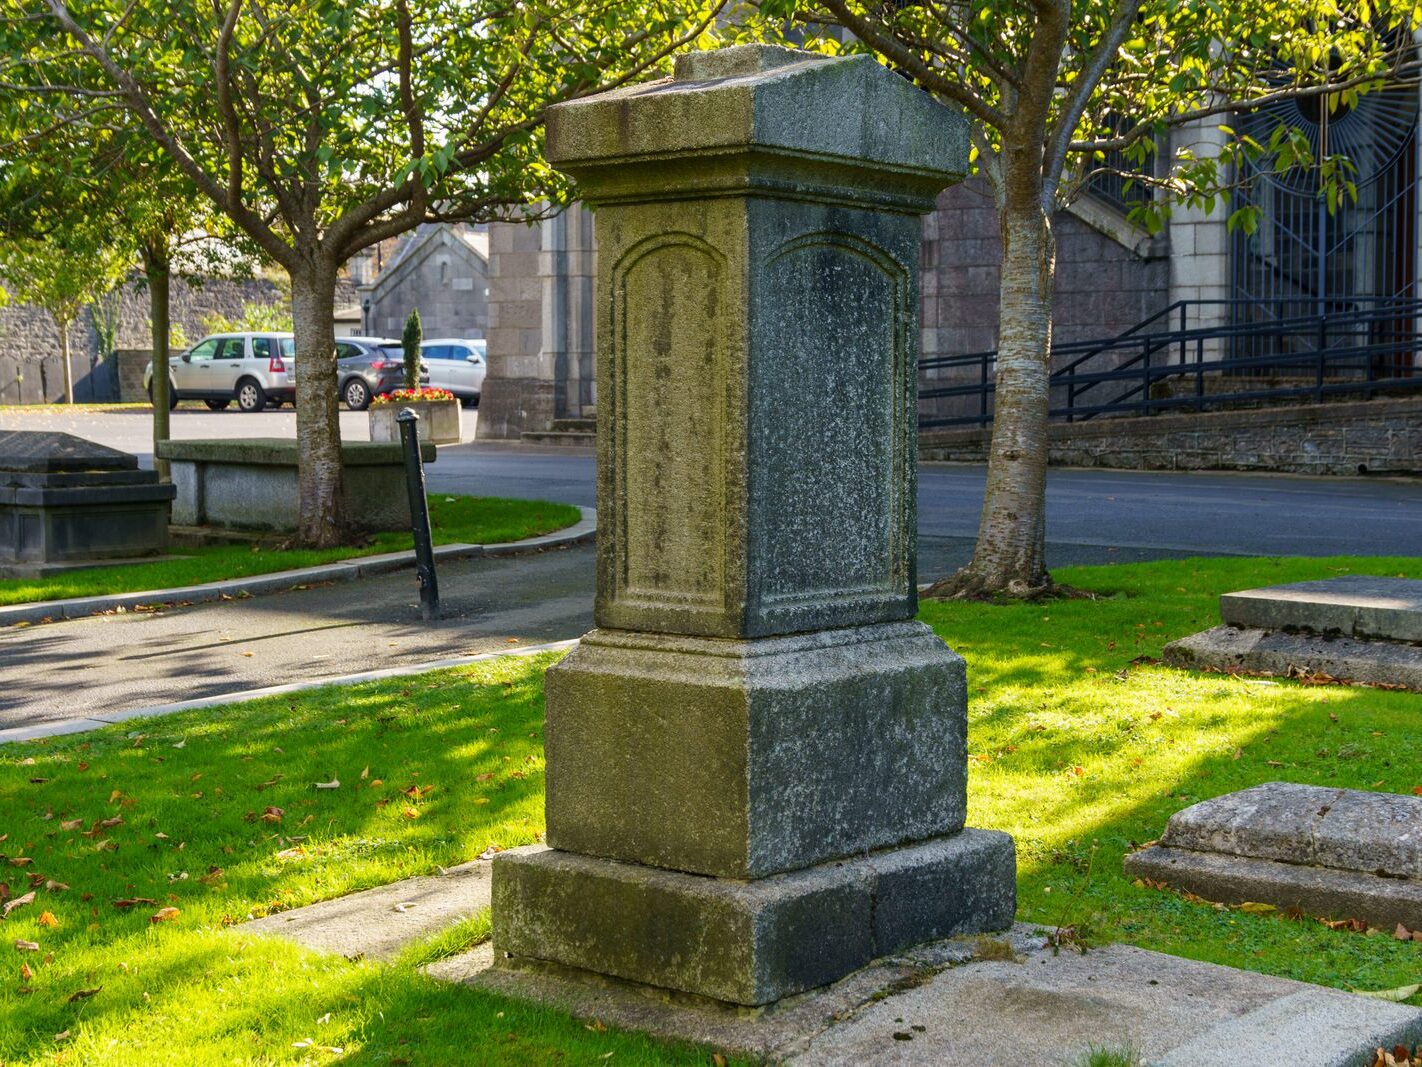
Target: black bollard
<point>419,515</point>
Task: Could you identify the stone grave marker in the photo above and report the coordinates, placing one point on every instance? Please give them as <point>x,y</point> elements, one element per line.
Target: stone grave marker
<point>1355,627</point>
<point>756,764</point>
<point>1335,853</point>
<point>66,502</point>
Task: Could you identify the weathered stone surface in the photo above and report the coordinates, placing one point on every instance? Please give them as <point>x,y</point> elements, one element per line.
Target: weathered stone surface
<point>45,452</point>
<point>757,463</point>
<point>1344,828</point>
<point>251,484</point>
<point>1355,605</point>
<point>1226,648</point>
<point>378,923</point>
<point>747,942</point>
<point>67,502</point>
<point>1322,891</point>
<point>742,759</point>
<point>757,701</point>
<point>1041,1008</point>
<point>1341,853</point>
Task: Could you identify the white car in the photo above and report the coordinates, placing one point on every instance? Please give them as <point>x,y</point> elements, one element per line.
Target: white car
<point>253,369</point>
<point>456,364</point>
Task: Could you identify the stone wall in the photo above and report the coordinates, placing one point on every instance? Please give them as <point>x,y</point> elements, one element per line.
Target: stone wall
<point>1365,437</point>
<point>30,370</point>
<point>518,392</point>
<point>1104,286</point>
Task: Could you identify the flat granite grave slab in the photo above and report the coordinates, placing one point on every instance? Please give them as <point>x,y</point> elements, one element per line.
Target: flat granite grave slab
<point>946,1004</point>
<point>1334,853</point>
<point>1353,628</point>
<point>1275,652</point>
<point>1355,605</point>
<point>377,923</point>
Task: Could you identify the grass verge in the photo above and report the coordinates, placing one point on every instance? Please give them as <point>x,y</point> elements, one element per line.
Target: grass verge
<point>1077,750</point>
<point>454,520</point>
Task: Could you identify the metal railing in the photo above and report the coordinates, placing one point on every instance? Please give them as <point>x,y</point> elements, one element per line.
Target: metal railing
<point>1259,352</point>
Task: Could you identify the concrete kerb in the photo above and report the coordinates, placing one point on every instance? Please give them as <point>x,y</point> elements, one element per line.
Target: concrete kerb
<point>257,585</point>
<point>94,722</point>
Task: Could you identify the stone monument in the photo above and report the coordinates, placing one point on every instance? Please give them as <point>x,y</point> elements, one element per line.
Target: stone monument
<point>66,503</point>
<point>756,764</point>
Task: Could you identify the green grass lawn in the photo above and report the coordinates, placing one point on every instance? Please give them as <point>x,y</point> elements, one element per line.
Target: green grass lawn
<point>1076,750</point>
<point>454,519</point>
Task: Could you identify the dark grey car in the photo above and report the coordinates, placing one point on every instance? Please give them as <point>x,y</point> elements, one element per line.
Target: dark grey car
<point>369,366</point>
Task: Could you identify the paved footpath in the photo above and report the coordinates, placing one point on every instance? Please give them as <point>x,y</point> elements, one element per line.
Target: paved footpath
<point>111,663</point>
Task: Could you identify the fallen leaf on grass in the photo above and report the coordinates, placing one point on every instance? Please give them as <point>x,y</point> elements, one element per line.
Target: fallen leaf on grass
<point>18,902</point>
<point>272,814</point>
<point>273,780</point>
<point>71,824</point>
<point>334,783</point>
<point>291,853</point>
<point>22,945</point>
<point>83,994</point>
<point>128,902</point>
<point>1257,907</point>
<point>1401,993</point>
<point>26,973</point>
<point>47,919</point>
<point>164,915</point>
<point>20,861</point>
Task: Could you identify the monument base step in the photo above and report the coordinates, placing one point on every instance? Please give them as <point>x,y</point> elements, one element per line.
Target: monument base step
<point>748,942</point>
<point>564,439</point>
<point>1320,891</point>
<point>27,569</point>
<point>991,1000</point>
<point>1249,651</point>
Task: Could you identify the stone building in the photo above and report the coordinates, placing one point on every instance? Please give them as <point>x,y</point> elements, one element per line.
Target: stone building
<point>441,269</point>
<point>1306,280</point>
<point>30,365</point>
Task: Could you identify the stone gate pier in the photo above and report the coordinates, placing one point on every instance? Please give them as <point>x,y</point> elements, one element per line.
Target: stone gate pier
<point>756,764</point>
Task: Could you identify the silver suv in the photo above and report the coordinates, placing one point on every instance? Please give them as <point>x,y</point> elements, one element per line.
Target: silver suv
<point>253,369</point>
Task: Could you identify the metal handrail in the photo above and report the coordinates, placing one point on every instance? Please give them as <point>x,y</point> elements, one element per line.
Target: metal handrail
<point>1329,352</point>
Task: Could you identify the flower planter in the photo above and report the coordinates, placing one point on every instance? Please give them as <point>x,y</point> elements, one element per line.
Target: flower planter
<point>439,420</point>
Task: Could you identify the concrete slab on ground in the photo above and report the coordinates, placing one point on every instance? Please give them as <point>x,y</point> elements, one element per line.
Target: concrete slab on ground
<point>1355,605</point>
<point>378,923</point>
<point>1252,651</point>
<point>945,1004</point>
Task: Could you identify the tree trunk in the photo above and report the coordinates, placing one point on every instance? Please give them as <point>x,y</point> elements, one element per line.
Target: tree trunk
<point>155,266</point>
<point>1010,555</point>
<point>323,520</point>
<point>64,358</point>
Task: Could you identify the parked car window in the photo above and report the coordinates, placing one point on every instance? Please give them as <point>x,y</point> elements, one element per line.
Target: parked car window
<point>231,348</point>
<point>288,347</point>
<point>344,350</point>
<point>437,352</point>
<point>262,347</point>
<point>204,350</point>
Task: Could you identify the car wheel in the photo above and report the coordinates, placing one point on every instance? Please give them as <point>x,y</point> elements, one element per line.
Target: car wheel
<point>250,395</point>
<point>356,394</point>
<point>172,396</point>
<point>217,405</point>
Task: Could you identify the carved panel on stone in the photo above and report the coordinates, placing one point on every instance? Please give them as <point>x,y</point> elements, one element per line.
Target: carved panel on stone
<point>831,485</point>
<point>668,426</point>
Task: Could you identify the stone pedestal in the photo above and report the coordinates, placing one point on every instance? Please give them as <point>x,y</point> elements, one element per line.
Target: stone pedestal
<point>756,764</point>
<point>67,503</point>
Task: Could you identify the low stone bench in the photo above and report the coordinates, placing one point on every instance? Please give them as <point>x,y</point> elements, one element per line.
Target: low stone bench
<point>251,484</point>
<point>1334,853</point>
